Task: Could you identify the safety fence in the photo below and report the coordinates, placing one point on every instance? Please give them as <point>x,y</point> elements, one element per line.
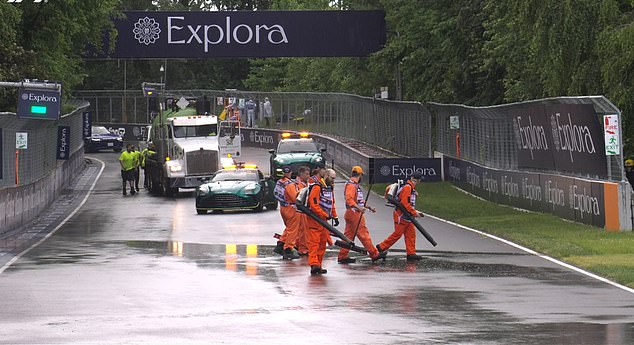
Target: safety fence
<point>401,127</point>
<point>41,176</point>
<point>559,155</point>
<point>555,135</point>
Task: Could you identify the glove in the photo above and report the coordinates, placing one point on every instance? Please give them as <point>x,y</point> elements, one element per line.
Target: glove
<point>336,220</point>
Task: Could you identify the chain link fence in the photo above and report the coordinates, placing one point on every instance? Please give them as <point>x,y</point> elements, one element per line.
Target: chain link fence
<point>401,127</point>
<point>40,157</point>
<point>486,135</point>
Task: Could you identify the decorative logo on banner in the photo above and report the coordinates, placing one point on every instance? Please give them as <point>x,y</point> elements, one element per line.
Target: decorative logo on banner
<point>612,135</point>
<point>63,142</point>
<point>208,34</point>
<point>389,170</point>
<point>559,137</point>
<point>259,138</point>
<point>146,31</point>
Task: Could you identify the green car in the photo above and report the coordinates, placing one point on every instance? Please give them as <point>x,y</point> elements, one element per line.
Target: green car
<point>295,151</point>
<point>234,188</point>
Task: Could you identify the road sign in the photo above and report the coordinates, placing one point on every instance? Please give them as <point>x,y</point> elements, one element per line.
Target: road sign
<point>454,122</point>
<point>612,133</point>
<point>36,103</point>
<point>21,140</point>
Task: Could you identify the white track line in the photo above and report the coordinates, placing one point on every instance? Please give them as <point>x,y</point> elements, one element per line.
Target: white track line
<point>545,257</point>
<point>15,258</point>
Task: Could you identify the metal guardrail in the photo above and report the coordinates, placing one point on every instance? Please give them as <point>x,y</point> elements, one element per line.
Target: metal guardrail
<point>401,127</point>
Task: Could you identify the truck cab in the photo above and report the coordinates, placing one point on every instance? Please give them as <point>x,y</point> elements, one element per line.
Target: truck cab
<point>188,150</point>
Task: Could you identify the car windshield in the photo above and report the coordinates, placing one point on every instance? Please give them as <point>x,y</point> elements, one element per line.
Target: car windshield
<point>236,175</point>
<point>100,130</point>
<point>297,146</point>
<point>195,131</point>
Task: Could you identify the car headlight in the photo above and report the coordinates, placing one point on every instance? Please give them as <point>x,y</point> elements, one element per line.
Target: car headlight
<point>318,159</point>
<point>95,139</point>
<point>120,139</point>
<point>279,160</point>
<point>251,188</point>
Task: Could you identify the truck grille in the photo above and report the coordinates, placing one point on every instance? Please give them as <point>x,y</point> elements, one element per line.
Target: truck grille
<point>202,162</point>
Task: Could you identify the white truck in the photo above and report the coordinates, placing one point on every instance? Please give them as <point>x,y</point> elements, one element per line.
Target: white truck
<point>189,149</point>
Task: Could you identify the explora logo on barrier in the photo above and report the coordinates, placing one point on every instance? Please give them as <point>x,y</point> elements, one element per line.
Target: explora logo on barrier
<point>147,31</point>
<point>38,98</point>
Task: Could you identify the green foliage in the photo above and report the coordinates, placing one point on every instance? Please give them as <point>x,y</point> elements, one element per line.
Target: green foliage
<point>46,40</point>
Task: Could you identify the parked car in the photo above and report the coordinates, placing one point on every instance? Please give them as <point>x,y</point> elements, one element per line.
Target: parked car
<point>103,139</point>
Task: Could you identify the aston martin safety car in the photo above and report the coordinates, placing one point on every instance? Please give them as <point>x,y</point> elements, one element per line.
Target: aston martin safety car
<point>296,150</point>
<point>236,187</point>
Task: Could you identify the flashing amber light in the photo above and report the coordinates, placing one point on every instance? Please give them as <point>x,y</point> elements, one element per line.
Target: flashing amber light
<point>229,167</point>
<point>303,135</point>
<point>167,158</point>
<point>228,155</point>
<point>286,135</point>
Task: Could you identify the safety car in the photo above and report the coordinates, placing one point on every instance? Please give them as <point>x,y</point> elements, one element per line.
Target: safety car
<point>296,150</point>
<point>239,186</point>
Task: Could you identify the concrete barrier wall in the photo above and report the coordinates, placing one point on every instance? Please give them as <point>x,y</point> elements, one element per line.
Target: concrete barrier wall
<point>21,204</point>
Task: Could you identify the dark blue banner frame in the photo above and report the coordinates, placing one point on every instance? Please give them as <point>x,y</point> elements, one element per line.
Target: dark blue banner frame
<point>249,34</point>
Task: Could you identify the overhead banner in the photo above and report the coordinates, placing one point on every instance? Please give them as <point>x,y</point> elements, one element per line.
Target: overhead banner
<point>249,34</point>
<point>388,170</point>
<point>560,137</point>
<point>63,142</point>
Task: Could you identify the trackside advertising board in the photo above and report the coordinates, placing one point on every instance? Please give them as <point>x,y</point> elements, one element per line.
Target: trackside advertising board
<point>560,137</point>
<point>248,34</point>
<point>63,142</point>
<point>581,200</point>
<point>389,170</point>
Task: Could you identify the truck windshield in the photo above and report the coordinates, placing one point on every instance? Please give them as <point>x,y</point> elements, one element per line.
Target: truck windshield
<point>195,131</point>
<point>297,146</point>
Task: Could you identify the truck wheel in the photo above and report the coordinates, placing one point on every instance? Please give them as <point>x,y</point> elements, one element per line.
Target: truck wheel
<point>199,211</point>
<point>259,208</point>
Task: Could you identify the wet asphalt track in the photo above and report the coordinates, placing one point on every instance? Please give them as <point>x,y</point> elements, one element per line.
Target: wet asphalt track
<point>148,270</point>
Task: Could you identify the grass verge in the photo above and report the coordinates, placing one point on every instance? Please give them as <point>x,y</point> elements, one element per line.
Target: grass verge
<point>608,254</point>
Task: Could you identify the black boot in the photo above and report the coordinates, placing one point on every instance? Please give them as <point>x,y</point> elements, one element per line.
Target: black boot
<point>315,270</point>
<point>381,255</point>
<point>279,248</point>
<point>322,271</point>
<point>290,254</point>
<point>414,257</point>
